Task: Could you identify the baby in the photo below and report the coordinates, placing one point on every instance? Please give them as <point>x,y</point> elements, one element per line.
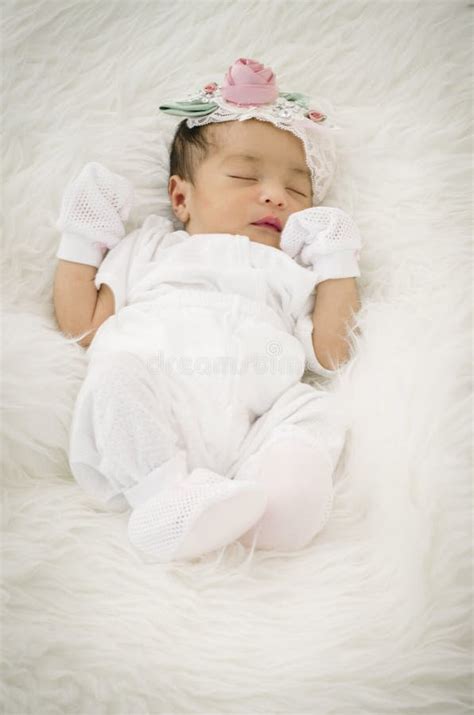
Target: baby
<point>193,412</point>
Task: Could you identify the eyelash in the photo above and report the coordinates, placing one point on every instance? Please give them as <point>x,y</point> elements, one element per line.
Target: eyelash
<point>247,178</point>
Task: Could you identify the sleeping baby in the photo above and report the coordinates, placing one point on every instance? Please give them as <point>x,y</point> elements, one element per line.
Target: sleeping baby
<point>193,414</point>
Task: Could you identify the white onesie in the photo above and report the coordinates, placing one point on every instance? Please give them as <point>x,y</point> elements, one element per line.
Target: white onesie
<point>201,363</point>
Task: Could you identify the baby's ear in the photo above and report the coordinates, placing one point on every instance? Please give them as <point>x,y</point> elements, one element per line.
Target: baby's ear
<point>178,197</point>
<point>173,183</point>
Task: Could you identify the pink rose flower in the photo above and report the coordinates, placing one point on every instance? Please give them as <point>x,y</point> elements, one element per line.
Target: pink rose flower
<point>210,88</point>
<point>248,82</point>
<point>316,116</point>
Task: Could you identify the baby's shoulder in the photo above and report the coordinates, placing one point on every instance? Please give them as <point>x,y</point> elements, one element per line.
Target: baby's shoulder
<point>158,222</point>
<point>155,233</point>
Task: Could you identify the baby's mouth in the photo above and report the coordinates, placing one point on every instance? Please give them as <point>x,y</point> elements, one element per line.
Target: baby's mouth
<point>267,226</point>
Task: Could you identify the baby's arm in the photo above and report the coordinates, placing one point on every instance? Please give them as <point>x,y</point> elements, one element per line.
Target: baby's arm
<point>337,301</point>
<point>93,208</point>
<point>78,305</point>
<point>326,240</point>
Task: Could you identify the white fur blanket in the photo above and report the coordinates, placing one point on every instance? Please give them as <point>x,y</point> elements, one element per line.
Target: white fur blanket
<point>374,616</point>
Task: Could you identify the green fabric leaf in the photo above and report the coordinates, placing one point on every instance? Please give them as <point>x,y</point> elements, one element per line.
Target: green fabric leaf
<point>188,109</point>
<point>297,97</point>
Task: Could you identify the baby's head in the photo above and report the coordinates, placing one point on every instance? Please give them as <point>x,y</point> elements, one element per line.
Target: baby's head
<point>216,187</point>
<point>246,152</point>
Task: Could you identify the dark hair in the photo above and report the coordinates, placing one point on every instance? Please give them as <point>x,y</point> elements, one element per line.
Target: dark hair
<point>189,148</point>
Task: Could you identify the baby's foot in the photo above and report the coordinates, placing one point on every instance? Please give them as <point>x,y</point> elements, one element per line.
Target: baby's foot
<point>203,513</point>
<point>297,475</point>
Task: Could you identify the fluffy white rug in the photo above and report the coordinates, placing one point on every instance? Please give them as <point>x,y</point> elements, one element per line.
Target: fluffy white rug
<point>374,616</point>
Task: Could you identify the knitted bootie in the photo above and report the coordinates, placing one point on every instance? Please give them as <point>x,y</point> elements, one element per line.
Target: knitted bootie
<point>201,514</point>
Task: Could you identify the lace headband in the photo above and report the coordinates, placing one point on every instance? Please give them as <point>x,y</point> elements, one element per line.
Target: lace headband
<point>249,91</point>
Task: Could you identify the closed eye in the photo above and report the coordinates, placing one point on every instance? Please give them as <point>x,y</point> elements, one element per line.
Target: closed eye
<point>249,178</point>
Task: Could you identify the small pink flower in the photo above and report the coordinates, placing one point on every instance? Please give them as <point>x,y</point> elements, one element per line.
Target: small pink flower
<point>211,87</point>
<point>249,83</point>
<point>316,116</point>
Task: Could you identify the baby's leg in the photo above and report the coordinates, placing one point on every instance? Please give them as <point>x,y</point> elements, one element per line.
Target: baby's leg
<point>175,515</point>
<point>134,430</point>
<point>302,441</point>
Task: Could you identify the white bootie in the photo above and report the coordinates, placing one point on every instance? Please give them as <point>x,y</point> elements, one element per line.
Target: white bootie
<point>203,513</point>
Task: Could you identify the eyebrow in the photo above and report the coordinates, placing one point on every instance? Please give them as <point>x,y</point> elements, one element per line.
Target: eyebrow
<point>255,159</point>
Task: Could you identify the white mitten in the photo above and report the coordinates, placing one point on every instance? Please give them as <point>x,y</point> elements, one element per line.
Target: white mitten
<point>93,208</point>
<point>325,240</point>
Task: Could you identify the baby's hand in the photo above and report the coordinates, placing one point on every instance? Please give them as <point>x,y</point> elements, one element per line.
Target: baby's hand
<point>325,240</point>
<point>93,208</point>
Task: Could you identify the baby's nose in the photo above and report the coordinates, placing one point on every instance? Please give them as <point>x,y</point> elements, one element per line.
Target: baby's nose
<point>275,197</point>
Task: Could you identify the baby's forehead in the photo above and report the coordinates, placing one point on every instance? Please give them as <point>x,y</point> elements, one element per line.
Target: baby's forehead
<point>252,137</point>
<point>257,143</point>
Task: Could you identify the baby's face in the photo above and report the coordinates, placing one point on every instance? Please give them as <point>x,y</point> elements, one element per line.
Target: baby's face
<point>231,192</point>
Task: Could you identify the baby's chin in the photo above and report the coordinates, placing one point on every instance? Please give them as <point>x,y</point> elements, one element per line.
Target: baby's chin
<point>261,234</point>
<point>257,234</point>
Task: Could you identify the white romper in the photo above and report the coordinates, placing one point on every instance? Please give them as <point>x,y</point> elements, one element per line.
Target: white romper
<point>200,365</point>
